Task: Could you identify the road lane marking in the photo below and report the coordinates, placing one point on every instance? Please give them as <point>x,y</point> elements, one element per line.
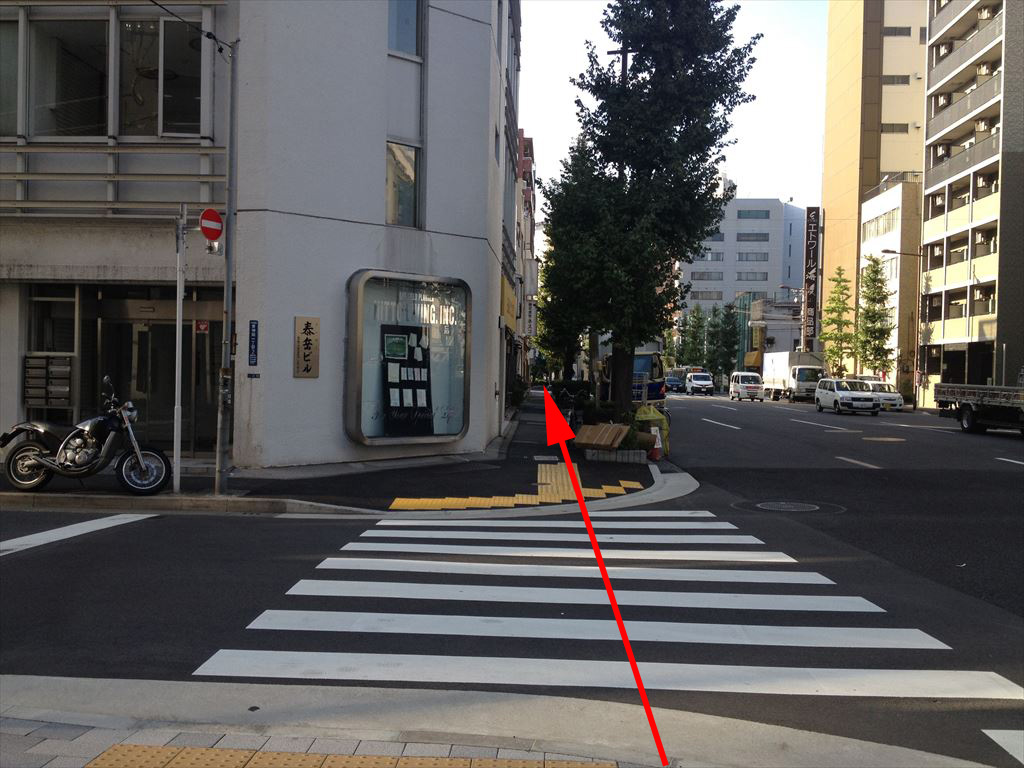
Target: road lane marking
<point>596,629</point>
<point>795,410</point>
<point>569,596</point>
<point>825,426</point>
<point>730,426</point>
<point>483,670</point>
<point>885,439</point>
<point>572,571</point>
<point>65,532</point>
<point>716,555</point>
<point>631,513</point>
<point>629,525</point>
<point>861,463</point>
<point>609,538</point>
<point>1011,741</point>
<point>727,407</point>
<point>1012,461</point>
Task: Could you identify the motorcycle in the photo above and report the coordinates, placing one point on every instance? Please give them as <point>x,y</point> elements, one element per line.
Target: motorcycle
<point>85,449</point>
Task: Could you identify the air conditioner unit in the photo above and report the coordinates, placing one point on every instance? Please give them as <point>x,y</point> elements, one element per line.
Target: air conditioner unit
<point>982,126</point>
<point>985,68</point>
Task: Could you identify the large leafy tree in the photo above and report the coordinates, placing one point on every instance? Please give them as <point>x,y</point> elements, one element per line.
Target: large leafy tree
<point>558,323</point>
<point>693,337</point>
<point>874,328</point>
<point>837,325</point>
<point>728,339</point>
<point>713,339</point>
<point>657,130</point>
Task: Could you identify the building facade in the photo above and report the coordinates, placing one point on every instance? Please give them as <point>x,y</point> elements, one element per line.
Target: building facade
<point>873,116</point>
<point>972,277</point>
<point>757,250</point>
<point>376,224</point>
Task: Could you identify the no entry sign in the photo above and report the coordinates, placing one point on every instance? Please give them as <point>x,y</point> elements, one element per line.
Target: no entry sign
<point>210,224</point>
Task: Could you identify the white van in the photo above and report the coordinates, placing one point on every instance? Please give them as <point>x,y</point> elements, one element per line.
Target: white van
<point>743,384</point>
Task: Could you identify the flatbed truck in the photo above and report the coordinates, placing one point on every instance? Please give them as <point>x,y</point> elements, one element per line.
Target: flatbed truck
<point>977,407</point>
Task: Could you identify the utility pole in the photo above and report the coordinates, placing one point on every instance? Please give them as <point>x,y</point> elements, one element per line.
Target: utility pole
<point>179,294</point>
<point>225,386</point>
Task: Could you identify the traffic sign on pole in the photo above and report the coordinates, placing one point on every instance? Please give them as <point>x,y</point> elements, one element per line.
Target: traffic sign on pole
<point>211,224</point>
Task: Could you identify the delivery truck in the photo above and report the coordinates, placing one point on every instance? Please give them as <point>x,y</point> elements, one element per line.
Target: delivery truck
<point>978,407</point>
<point>793,375</point>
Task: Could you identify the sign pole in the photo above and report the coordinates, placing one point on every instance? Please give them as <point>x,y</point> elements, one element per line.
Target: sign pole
<point>220,484</point>
<point>179,293</point>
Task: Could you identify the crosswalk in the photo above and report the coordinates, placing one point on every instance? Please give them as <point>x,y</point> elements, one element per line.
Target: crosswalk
<point>508,602</point>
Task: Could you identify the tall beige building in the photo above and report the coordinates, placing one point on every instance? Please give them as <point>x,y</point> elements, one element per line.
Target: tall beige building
<point>972,284</point>
<point>873,115</point>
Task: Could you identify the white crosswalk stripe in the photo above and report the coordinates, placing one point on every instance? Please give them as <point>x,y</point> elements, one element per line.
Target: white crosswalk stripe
<point>406,584</point>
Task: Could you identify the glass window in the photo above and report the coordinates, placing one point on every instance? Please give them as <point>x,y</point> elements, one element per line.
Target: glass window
<point>403,26</point>
<point>412,367</point>
<point>706,276</point>
<point>710,256</point>
<point>717,237</point>
<point>895,127</point>
<point>895,79</point>
<point>752,256</point>
<point>139,78</point>
<point>751,275</point>
<point>401,184</point>
<point>182,67</point>
<point>8,78</point>
<point>68,73</point>
<point>752,237</point>
<point>896,31</point>
<point>753,214</point>
<point>52,326</point>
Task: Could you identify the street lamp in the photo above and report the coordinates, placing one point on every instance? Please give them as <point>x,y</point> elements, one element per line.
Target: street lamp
<point>916,313</point>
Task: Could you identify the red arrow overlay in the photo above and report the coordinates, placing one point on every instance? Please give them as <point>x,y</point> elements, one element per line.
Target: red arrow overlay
<point>558,432</point>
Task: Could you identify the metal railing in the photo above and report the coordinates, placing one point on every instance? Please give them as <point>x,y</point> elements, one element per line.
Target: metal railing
<point>971,47</point>
<point>99,164</point>
<point>980,152</point>
<point>953,9</point>
<point>972,101</point>
<point>892,181</point>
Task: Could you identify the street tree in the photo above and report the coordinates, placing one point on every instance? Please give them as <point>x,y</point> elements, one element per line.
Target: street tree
<point>693,337</point>
<point>559,326</point>
<point>837,324</point>
<point>729,339</point>
<point>713,338</point>
<point>658,129</point>
<point>874,327</point>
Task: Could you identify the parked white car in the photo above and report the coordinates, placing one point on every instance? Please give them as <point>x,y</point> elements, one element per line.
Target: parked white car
<point>743,385</point>
<point>888,395</point>
<point>846,395</point>
<point>700,382</point>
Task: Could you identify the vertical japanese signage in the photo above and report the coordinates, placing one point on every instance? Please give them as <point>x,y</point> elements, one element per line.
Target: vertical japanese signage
<point>812,254</point>
<point>307,347</point>
<point>254,342</point>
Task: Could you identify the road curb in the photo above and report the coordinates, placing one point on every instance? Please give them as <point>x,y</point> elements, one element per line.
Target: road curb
<point>664,488</point>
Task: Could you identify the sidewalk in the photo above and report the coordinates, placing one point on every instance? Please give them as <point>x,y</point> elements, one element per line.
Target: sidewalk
<point>517,472</point>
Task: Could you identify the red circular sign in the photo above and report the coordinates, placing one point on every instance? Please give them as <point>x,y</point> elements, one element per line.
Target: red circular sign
<point>211,224</point>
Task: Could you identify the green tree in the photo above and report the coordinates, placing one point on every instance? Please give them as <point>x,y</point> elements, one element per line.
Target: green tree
<point>713,338</point>
<point>729,339</point>
<point>837,325</point>
<point>873,325</point>
<point>657,130</point>
<point>559,324</point>
<point>693,337</point>
<point>671,352</point>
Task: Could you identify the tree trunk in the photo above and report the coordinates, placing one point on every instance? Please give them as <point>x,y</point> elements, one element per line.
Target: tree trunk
<point>622,378</point>
<point>567,361</point>
<point>592,344</point>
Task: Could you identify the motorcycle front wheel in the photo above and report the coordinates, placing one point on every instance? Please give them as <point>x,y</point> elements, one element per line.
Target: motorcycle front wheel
<point>22,476</point>
<point>147,478</point>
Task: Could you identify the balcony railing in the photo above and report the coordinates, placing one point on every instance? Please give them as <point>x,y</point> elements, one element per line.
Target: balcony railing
<point>90,179</point>
<point>971,47</point>
<point>969,103</point>
<point>980,152</point>
<point>953,9</point>
<point>893,180</point>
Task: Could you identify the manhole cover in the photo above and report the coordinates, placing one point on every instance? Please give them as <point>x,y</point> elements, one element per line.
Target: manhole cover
<point>787,506</point>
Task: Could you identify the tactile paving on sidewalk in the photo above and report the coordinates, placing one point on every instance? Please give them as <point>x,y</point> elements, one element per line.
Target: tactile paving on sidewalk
<point>142,756</point>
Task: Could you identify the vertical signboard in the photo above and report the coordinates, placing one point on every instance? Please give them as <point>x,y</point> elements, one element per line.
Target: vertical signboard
<point>254,342</point>
<point>812,253</point>
<point>307,347</point>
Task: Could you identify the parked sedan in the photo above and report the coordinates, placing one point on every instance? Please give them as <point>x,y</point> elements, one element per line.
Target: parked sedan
<point>674,384</point>
<point>846,395</point>
<point>888,395</point>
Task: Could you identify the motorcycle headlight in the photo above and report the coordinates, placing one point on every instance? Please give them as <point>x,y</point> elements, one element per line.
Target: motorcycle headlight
<point>130,411</point>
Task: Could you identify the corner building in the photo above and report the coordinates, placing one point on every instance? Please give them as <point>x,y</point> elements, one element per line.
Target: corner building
<point>377,147</point>
<point>972,280</point>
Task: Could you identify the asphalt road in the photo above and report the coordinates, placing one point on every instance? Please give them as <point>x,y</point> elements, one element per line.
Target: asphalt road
<point>891,613</point>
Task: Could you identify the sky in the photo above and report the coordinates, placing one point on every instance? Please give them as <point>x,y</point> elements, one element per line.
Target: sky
<point>778,150</point>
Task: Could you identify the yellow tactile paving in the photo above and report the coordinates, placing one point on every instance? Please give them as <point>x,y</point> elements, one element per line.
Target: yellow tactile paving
<point>553,487</point>
<point>575,764</point>
<point>360,761</point>
<point>285,760</point>
<point>134,756</point>
<point>490,762</point>
<point>433,762</point>
<point>203,757</point>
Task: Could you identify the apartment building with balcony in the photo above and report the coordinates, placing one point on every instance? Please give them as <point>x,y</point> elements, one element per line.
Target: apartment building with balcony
<point>757,250</point>
<point>972,279</point>
<point>377,163</point>
<point>875,87</point>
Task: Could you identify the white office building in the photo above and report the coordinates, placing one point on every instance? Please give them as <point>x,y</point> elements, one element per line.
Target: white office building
<point>758,250</point>
<point>376,227</point>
